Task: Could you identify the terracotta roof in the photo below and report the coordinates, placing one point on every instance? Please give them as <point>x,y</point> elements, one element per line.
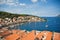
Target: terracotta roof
<point>48,35</point>
<point>5,33</point>
<point>40,35</point>
<point>17,34</point>
<point>32,35</point>
<point>29,36</point>
<point>56,36</point>
<point>12,37</point>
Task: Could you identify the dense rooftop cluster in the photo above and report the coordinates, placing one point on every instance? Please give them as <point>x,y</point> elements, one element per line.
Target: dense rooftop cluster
<point>28,35</point>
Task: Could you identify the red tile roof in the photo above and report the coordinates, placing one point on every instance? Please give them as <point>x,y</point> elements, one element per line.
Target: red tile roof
<point>22,35</point>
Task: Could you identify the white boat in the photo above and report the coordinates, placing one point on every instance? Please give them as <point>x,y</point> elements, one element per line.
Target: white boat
<point>46,26</point>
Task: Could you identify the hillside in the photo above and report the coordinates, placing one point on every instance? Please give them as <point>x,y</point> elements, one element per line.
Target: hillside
<point>4,15</point>
<point>10,15</point>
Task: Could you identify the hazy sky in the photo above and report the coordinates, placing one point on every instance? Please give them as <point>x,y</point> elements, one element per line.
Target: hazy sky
<point>33,7</point>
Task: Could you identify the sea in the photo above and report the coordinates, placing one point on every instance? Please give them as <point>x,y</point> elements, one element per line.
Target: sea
<point>52,24</point>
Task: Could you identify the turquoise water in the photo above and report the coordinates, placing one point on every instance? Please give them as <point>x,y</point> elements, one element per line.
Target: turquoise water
<point>52,24</point>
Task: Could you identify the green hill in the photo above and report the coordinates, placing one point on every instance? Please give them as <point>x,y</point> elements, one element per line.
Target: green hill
<point>10,15</point>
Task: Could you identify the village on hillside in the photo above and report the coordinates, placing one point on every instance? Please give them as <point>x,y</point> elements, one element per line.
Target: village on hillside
<point>16,34</point>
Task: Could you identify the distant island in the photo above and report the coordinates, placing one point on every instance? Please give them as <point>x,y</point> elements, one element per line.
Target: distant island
<point>7,18</point>
<point>58,15</point>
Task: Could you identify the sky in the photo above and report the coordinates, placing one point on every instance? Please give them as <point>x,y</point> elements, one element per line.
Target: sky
<point>47,8</point>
